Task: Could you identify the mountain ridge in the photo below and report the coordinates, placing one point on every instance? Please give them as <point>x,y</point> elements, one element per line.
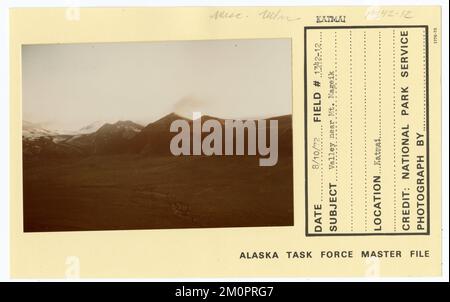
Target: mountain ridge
<point>126,136</point>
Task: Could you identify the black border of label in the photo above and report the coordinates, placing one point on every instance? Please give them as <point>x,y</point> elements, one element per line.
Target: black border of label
<point>306,28</point>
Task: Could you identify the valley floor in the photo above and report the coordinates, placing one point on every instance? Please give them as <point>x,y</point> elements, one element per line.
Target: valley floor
<point>123,192</point>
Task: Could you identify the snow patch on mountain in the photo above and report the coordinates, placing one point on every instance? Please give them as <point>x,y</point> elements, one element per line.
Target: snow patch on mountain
<point>33,131</point>
<point>91,128</point>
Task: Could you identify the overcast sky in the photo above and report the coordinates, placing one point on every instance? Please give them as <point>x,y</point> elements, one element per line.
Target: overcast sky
<point>67,86</point>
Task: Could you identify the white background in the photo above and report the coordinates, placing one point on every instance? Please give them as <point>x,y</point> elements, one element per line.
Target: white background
<point>4,110</point>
